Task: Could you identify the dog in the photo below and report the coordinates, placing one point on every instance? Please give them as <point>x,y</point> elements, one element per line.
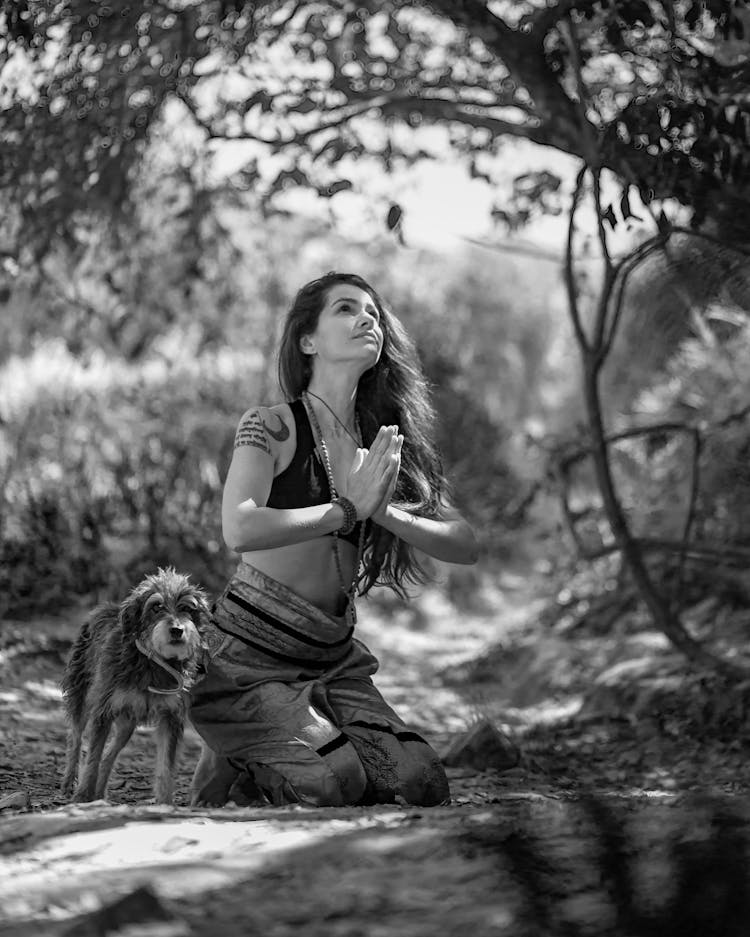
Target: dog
<point>131,664</point>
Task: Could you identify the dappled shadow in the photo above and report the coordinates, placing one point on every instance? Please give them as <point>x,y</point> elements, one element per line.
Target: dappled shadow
<point>536,867</point>
<point>614,870</point>
<point>594,832</point>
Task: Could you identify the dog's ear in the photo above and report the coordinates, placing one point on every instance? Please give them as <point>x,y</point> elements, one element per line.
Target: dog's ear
<point>203,610</point>
<point>130,613</point>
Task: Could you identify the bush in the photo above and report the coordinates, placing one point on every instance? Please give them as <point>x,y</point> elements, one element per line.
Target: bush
<point>118,469</point>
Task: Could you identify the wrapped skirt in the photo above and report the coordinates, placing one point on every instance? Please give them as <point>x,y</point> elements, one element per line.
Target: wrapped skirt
<point>288,698</point>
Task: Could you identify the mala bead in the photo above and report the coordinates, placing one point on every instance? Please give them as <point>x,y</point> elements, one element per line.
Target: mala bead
<point>350,590</point>
<point>350,514</point>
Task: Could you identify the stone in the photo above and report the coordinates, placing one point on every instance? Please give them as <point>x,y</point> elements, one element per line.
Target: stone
<point>482,747</point>
<point>141,906</point>
<point>18,800</point>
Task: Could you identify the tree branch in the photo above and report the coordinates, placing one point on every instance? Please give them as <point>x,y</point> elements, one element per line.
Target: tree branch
<point>696,550</point>
<point>431,108</point>
<point>633,432</point>
<point>593,150</point>
<point>620,275</point>
<point>523,55</point>
<point>690,514</point>
<point>541,21</point>
<point>570,282</point>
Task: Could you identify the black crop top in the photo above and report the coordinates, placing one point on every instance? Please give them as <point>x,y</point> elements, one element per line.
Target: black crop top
<point>303,482</point>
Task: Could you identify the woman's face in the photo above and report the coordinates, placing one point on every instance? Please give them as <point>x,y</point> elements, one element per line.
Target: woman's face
<point>348,329</point>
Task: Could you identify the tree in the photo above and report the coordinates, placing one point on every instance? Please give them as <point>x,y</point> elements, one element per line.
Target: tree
<point>651,89</point>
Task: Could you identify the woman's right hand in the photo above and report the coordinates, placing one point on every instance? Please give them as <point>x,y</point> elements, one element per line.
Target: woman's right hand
<point>372,471</point>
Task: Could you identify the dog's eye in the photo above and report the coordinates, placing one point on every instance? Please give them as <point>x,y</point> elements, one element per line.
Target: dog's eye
<point>156,605</point>
<point>189,602</point>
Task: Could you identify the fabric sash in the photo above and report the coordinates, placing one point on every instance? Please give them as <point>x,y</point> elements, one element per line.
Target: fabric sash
<point>270,617</point>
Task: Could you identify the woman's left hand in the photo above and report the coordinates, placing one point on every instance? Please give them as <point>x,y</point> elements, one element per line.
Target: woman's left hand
<point>379,514</point>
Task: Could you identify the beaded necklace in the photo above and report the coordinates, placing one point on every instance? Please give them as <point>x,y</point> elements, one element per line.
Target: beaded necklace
<point>348,590</point>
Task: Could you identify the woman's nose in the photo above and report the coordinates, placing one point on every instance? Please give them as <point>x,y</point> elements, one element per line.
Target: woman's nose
<point>367,318</point>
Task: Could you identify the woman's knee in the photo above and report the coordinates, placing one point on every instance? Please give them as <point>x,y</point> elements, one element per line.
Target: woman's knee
<point>334,778</point>
<point>346,766</point>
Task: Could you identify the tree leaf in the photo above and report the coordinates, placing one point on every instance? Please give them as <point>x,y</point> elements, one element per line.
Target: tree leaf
<point>394,217</point>
<point>340,185</point>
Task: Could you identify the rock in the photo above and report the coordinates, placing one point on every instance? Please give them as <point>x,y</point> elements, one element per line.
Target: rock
<point>141,906</point>
<point>482,747</point>
<point>18,800</point>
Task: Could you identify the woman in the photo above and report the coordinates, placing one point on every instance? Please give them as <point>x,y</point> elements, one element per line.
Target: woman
<point>325,495</point>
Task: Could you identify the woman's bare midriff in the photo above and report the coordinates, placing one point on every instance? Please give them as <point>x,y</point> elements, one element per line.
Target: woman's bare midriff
<point>309,569</point>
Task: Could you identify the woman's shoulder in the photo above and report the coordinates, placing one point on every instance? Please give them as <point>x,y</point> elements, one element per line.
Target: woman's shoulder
<point>274,424</point>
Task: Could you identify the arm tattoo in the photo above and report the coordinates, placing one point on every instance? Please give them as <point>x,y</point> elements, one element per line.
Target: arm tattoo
<point>280,434</point>
<point>252,432</point>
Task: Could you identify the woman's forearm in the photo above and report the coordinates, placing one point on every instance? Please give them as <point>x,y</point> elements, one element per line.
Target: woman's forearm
<point>249,527</point>
<point>450,539</point>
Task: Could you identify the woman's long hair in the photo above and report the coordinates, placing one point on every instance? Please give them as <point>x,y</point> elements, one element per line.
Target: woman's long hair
<point>393,391</point>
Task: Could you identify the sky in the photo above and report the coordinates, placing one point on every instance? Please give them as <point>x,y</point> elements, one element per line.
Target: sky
<point>443,206</point>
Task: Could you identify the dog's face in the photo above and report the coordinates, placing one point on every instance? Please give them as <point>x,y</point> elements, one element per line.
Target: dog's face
<point>167,613</point>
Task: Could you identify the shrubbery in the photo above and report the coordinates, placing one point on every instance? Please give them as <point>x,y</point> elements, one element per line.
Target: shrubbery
<point>110,470</point>
<point>112,457</point>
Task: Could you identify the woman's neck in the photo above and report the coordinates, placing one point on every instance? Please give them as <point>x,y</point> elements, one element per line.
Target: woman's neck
<point>339,396</point>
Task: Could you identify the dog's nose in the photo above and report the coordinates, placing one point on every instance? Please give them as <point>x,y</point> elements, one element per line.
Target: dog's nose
<point>176,632</point>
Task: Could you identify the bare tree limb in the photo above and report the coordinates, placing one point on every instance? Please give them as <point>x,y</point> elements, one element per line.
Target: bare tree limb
<point>621,273</point>
<point>570,281</point>
<point>663,616</point>
<point>694,551</point>
<point>689,515</point>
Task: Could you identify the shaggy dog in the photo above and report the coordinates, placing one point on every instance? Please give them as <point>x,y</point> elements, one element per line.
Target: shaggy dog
<point>131,664</point>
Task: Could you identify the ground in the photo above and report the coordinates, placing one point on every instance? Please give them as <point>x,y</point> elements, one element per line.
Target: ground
<point>604,794</point>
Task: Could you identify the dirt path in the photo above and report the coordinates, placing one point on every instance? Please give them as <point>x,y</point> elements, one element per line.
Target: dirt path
<point>385,871</point>
<point>519,852</point>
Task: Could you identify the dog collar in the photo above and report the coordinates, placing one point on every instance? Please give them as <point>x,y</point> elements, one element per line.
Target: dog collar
<point>151,654</point>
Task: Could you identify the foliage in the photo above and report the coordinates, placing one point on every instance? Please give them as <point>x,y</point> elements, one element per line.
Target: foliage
<point>113,470</point>
<point>654,91</point>
<point>129,358</point>
<point>696,389</point>
<point>706,384</point>
<point>124,290</point>
<point>98,75</point>
<point>694,289</point>
<point>318,92</point>
<point>683,482</point>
